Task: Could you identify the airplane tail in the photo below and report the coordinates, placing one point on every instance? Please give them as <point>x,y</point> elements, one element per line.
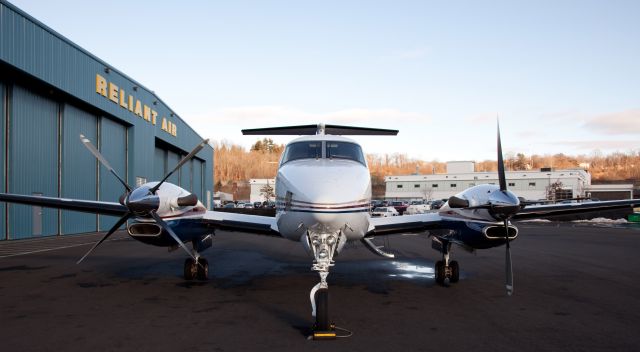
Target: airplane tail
<point>320,129</point>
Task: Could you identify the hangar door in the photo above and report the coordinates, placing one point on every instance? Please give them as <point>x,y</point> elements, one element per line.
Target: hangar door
<point>32,162</point>
<point>113,146</point>
<point>79,168</point>
<point>3,131</point>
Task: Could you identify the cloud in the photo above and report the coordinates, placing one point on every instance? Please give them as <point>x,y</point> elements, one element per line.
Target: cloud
<point>601,144</point>
<point>279,115</point>
<point>624,122</point>
<point>483,118</point>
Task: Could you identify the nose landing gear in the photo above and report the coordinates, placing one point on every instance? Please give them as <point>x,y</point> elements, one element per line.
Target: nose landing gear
<point>323,247</point>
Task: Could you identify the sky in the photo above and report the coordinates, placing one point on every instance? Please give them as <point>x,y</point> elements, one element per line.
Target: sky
<point>562,76</point>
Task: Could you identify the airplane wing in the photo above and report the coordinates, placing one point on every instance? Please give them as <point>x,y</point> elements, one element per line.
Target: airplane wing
<point>542,211</point>
<point>86,206</point>
<point>404,224</point>
<point>265,225</point>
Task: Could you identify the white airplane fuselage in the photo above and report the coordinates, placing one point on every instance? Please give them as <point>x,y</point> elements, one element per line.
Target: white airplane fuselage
<point>323,194</point>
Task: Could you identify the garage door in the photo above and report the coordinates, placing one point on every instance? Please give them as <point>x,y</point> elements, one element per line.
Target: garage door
<point>33,162</point>
<point>113,146</point>
<point>79,172</point>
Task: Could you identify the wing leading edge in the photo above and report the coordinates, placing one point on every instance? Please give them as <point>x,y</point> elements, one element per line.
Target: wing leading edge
<point>86,206</point>
<point>542,211</point>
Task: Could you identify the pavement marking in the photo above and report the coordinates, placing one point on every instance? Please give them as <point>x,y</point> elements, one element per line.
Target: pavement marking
<point>14,248</point>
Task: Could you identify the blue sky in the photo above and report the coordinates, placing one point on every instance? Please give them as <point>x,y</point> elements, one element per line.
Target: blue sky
<point>564,76</point>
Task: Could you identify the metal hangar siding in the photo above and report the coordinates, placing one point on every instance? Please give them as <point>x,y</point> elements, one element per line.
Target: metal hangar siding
<point>51,91</point>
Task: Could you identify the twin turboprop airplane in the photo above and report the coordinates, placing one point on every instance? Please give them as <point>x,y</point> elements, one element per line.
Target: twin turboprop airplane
<point>323,190</point>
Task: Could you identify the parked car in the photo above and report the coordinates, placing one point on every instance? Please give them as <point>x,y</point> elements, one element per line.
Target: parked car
<point>384,212</point>
<point>229,205</point>
<point>417,209</point>
<point>400,206</point>
<point>437,204</point>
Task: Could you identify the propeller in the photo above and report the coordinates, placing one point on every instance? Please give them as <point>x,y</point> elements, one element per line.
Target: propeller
<point>505,214</point>
<point>143,201</point>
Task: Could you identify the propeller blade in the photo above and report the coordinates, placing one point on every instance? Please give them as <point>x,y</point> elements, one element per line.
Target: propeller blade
<point>182,162</point>
<point>96,153</point>
<point>501,173</point>
<point>166,227</point>
<point>111,231</point>
<point>508,267</point>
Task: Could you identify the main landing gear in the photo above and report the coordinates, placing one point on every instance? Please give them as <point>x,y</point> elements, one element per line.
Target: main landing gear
<point>323,247</point>
<point>196,269</point>
<point>445,269</point>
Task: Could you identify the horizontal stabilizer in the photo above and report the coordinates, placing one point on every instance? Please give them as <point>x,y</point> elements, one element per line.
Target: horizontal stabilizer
<point>320,129</point>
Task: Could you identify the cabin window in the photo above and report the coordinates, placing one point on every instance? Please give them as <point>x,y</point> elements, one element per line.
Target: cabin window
<point>345,150</point>
<point>302,150</point>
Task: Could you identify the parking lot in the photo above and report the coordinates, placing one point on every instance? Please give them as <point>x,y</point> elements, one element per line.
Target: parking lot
<point>576,288</point>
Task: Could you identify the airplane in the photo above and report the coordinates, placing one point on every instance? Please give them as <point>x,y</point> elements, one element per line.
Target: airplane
<point>323,194</point>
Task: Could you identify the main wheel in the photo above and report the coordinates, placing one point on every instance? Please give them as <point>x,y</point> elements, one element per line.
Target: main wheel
<point>455,271</point>
<point>202,269</point>
<point>190,269</point>
<point>439,271</point>
<point>322,310</point>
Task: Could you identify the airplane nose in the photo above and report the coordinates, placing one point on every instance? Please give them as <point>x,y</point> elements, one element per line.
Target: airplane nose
<point>332,186</point>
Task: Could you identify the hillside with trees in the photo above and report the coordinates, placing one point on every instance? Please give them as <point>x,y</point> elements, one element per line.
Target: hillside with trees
<point>234,165</point>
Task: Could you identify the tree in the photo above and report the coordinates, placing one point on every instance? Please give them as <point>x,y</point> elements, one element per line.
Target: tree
<point>267,192</point>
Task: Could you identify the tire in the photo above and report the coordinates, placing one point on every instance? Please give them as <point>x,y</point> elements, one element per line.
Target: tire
<point>202,269</point>
<point>190,269</point>
<point>439,271</point>
<point>322,310</point>
<point>455,271</point>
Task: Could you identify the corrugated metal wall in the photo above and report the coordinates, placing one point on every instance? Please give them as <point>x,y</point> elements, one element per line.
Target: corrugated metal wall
<point>159,164</point>
<point>172,160</point>
<point>113,146</point>
<point>3,150</point>
<point>185,175</point>
<point>33,161</point>
<point>79,167</point>
<point>197,179</point>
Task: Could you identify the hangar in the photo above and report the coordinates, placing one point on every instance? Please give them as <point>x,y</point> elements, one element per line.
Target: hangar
<point>51,91</point>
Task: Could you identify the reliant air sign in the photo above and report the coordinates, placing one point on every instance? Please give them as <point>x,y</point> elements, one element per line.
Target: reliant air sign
<point>127,101</point>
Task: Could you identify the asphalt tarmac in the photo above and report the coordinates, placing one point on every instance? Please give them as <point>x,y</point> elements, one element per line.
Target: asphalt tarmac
<point>577,288</point>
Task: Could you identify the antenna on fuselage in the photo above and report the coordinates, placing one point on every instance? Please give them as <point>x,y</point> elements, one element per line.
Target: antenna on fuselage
<point>320,130</point>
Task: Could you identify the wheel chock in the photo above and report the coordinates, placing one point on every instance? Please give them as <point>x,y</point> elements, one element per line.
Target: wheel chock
<point>324,334</point>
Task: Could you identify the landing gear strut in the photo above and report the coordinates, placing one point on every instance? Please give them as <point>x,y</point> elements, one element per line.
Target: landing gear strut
<point>323,246</point>
<point>445,269</point>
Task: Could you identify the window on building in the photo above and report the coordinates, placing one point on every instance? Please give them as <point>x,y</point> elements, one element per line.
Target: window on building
<point>453,185</point>
<point>532,184</point>
<point>435,185</point>
<point>416,186</point>
<point>399,186</point>
<point>472,184</point>
<point>512,184</point>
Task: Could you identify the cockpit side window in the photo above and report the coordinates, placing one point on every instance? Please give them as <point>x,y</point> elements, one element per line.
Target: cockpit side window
<point>302,150</point>
<point>345,150</point>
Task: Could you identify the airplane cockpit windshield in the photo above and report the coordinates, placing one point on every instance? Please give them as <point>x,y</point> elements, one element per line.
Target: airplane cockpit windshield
<point>344,150</point>
<point>323,149</point>
<point>302,150</point>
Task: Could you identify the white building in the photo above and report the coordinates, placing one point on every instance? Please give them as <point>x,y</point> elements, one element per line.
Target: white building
<point>258,189</point>
<point>531,184</point>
